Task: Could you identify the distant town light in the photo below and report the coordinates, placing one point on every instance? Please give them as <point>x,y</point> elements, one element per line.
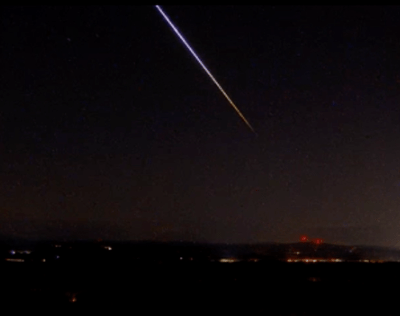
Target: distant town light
<point>14,260</point>
<point>229,260</point>
<point>72,298</point>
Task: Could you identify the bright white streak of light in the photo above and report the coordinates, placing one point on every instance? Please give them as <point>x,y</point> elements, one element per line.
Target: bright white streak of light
<point>205,68</point>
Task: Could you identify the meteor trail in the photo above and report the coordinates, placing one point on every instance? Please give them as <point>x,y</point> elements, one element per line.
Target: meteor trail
<point>204,67</point>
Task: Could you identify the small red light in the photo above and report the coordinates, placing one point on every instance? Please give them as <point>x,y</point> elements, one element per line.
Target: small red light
<point>303,238</point>
<point>318,241</point>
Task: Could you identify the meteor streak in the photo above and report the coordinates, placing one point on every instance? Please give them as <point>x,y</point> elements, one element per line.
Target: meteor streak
<point>204,67</point>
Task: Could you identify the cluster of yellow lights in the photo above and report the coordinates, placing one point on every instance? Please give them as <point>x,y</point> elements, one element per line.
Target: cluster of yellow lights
<point>314,260</point>
<point>308,260</point>
<point>229,260</point>
<point>15,260</point>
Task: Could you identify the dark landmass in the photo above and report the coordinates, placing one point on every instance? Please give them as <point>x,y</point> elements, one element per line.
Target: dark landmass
<point>189,277</point>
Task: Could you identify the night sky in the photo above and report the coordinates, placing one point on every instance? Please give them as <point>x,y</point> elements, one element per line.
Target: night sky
<point>110,129</point>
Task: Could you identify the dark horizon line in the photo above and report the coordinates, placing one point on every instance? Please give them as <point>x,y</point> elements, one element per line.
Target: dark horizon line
<point>190,242</point>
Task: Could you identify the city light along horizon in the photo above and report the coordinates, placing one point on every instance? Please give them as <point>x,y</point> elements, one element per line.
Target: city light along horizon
<point>205,68</point>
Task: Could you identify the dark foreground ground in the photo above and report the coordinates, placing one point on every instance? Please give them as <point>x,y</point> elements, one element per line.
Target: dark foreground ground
<point>275,288</point>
